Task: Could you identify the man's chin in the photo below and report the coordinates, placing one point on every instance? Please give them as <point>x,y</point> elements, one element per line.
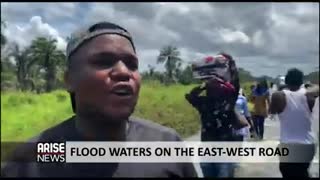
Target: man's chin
<point>113,119</point>
<point>119,114</point>
<point>110,114</point>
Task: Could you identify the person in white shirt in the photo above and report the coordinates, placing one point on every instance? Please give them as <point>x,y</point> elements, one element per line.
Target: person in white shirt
<point>315,117</point>
<point>313,91</point>
<point>294,109</point>
<point>243,110</point>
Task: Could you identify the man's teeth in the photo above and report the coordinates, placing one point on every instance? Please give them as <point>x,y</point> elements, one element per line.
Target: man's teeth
<point>122,91</point>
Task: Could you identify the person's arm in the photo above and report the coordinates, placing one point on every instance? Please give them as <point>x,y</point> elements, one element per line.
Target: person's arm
<point>312,93</point>
<point>247,112</point>
<point>278,102</point>
<point>246,109</point>
<point>241,120</point>
<point>20,163</point>
<point>193,97</point>
<point>252,97</point>
<point>268,98</point>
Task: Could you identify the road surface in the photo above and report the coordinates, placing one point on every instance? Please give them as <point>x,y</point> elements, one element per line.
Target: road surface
<point>263,169</point>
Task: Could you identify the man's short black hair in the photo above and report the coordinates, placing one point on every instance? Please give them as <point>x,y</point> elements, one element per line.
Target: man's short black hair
<point>294,77</point>
<point>102,26</point>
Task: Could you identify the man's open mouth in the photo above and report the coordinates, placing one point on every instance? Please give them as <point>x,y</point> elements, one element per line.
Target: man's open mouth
<point>122,90</point>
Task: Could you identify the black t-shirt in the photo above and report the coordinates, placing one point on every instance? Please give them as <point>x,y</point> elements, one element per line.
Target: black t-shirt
<point>139,130</point>
<point>217,116</point>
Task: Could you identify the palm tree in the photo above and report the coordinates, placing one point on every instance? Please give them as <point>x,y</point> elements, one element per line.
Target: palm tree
<point>151,70</point>
<point>23,65</point>
<point>45,52</point>
<point>3,38</point>
<point>170,56</point>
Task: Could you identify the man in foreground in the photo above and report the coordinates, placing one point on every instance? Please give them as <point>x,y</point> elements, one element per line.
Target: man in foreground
<point>294,108</point>
<point>103,80</point>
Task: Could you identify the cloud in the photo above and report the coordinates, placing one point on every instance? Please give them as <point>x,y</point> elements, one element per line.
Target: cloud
<point>290,35</point>
<point>23,35</point>
<point>18,12</point>
<point>139,10</point>
<point>233,36</point>
<point>146,33</point>
<point>148,57</point>
<point>63,16</point>
<point>22,12</point>
<point>267,38</point>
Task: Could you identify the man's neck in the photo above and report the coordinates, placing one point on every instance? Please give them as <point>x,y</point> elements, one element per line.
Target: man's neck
<point>293,88</point>
<point>101,130</point>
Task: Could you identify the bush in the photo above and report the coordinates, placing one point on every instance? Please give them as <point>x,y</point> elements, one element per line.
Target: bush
<point>25,114</point>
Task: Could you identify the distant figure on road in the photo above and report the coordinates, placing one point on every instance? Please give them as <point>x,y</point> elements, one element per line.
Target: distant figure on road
<point>294,106</point>
<point>307,85</point>
<point>242,108</point>
<point>252,87</point>
<point>281,83</point>
<point>260,99</point>
<point>313,91</point>
<point>315,117</point>
<point>273,88</point>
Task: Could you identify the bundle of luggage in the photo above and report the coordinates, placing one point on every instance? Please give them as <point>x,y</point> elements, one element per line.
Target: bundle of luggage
<point>210,66</point>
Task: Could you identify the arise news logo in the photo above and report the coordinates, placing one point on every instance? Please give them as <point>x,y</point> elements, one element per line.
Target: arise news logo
<point>51,152</point>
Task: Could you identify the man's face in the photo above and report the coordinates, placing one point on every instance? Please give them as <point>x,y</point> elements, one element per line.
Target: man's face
<point>105,77</point>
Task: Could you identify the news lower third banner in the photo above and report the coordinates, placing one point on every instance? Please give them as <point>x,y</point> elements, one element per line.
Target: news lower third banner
<point>171,152</point>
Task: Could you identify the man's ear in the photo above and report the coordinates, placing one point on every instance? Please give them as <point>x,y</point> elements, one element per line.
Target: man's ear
<point>68,81</point>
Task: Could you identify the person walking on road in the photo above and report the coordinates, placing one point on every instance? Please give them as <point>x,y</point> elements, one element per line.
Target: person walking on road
<point>242,108</point>
<point>260,99</point>
<point>294,109</point>
<point>217,110</point>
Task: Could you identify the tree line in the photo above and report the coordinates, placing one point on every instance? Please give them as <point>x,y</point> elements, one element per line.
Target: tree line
<point>39,67</point>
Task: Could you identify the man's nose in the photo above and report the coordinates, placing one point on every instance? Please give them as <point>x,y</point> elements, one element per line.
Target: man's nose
<point>120,72</point>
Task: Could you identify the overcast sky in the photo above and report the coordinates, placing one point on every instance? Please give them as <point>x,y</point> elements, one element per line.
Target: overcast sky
<point>264,38</point>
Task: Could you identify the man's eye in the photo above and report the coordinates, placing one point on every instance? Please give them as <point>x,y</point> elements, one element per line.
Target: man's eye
<point>132,65</point>
<point>104,63</point>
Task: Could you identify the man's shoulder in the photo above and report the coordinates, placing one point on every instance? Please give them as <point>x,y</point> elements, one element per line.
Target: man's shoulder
<point>150,125</point>
<point>152,131</point>
<point>55,133</point>
<point>21,160</point>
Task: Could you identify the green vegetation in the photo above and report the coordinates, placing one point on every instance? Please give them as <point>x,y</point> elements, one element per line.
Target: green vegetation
<point>167,106</point>
<point>313,77</point>
<point>26,114</point>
